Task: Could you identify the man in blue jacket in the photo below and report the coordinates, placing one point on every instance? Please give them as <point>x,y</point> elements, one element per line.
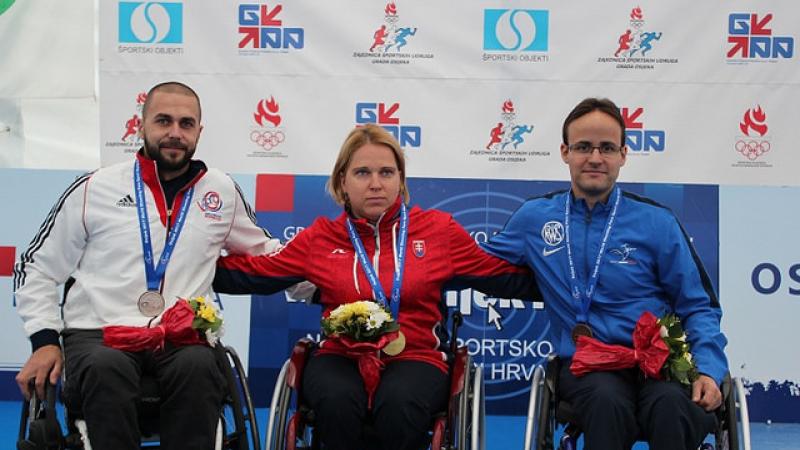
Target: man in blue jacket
<point>602,257</point>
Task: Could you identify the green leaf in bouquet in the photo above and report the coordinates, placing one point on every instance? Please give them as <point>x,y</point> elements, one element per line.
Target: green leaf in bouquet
<point>683,378</point>
<point>215,326</point>
<point>682,365</point>
<point>197,323</point>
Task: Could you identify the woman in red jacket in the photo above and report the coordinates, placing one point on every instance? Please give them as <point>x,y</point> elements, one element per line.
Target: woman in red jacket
<point>379,250</point>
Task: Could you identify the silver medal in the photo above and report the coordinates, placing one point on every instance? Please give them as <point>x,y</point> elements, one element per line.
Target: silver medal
<point>151,303</point>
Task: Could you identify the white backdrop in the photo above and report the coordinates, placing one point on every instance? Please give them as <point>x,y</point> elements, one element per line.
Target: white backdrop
<point>464,60</point>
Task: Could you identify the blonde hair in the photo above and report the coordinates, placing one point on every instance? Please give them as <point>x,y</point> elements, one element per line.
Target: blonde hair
<point>359,137</point>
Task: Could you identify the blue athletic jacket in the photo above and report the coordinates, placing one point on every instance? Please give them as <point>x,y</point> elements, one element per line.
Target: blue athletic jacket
<point>648,265</point>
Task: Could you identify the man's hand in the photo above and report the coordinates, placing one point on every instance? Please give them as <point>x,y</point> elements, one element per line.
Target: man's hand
<point>706,393</point>
<point>44,362</point>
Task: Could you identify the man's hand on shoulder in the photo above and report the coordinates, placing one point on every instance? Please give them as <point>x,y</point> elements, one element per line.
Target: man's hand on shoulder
<point>45,361</point>
<point>706,393</point>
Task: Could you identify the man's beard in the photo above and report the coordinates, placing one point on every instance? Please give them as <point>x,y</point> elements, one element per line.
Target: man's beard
<point>153,151</point>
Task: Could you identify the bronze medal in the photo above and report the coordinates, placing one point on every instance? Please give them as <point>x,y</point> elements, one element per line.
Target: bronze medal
<point>581,329</point>
<point>396,346</point>
<point>151,303</point>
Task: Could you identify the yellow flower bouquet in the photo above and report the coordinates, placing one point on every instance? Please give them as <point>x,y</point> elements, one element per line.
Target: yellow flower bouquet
<point>207,319</point>
<point>362,320</point>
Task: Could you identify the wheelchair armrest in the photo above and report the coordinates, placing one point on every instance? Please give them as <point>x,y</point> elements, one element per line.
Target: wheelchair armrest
<point>297,361</point>
<point>458,370</point>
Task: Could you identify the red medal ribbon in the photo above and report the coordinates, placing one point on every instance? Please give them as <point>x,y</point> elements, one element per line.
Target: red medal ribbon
<point>366,354</point>
<point>175,327</point>
<point>649,351</point>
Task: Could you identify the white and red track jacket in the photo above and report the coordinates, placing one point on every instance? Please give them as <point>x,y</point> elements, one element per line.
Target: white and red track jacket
<point>441,255</point>
<point>92,235</point>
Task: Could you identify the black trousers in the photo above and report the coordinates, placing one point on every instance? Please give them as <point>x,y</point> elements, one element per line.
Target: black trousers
<point>616,408</point>
<point>408,396</point>
<point>107,380</point>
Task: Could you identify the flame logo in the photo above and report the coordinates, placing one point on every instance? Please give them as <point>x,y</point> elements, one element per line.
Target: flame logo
<point>391,9</point>
<point>636,13</point>
<point>140,99</point>
<point>754,119</point>
<point>267,110</point>
<point>508,106</point>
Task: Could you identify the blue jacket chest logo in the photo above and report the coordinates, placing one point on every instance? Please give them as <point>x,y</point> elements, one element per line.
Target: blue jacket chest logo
<point>553,236</point>
<point>622,255</point>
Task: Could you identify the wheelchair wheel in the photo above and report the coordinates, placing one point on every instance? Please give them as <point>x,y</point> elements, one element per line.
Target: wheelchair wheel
<point>477,432</point>
<point>278,411</point>
<point>538,411</point>
<point>740,403</point>
<point>734,430</point>
<point>469,417</point>
<point>238,421</point>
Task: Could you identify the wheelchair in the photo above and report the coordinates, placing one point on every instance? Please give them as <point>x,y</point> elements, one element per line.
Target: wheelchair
<point>546,411</point>
<point>459,427</point>
<point>237,429</point>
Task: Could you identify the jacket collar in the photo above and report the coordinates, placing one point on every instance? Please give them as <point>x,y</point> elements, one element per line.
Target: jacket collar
<point>580,205</point>
<point>149,171</point>
<point>386,219</point>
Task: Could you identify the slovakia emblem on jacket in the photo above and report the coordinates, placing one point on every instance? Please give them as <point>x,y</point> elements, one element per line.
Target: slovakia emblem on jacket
<point>419,248</point>
<point>211,204</point>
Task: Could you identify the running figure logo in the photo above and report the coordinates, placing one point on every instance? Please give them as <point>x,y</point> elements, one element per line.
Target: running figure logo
<point>507,131</point>
<point>634,39</point>
<point>389,35</point>
<point>134,124</point>
<point>132,127</point>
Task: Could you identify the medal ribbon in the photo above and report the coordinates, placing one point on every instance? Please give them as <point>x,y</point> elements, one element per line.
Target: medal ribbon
<point>374,281</point>
<point>585,295</point>
<point>154,274</point>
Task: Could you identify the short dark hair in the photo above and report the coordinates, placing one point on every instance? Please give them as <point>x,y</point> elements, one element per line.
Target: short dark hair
<point>173,87</point>
<point>588,105</point>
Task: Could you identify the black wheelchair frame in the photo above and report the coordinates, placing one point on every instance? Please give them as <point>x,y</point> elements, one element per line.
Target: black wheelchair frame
<point>546,411</point>
<point>40,428</point>
<point>459,427</point>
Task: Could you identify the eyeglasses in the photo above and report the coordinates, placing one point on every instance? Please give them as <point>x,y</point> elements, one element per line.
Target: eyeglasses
<point>585,148</point>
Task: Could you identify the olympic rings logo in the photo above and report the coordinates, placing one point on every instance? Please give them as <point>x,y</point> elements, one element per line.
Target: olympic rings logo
<point>268,139</point>
<point>752,149</point>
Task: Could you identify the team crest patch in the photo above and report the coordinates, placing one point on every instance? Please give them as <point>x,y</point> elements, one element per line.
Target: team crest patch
<point>419,248</point>
<point>211,204</point>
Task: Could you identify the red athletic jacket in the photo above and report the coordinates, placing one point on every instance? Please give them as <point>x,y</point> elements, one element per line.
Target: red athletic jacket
<point>441,255</point>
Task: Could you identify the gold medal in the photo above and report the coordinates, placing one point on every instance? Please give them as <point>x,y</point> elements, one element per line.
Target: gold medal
<point>396,346</point>
<point>151,303</point>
